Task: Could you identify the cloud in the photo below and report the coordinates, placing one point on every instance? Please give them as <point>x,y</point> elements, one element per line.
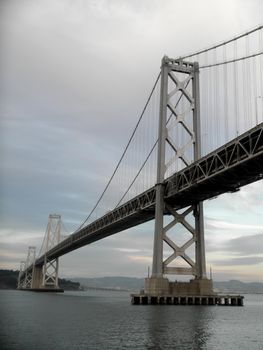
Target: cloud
<point>255,260</point>
<point>140,258</point>
<point>224,225</point>
<point>225,209</point>
<point>246,245</point>
<point>128,250</point>
<point>9,236</point>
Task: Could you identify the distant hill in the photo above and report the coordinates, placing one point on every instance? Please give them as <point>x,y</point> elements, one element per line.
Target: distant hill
<point>135,284</point>
<point>238,287</point>
<point>8,280</point>
<point>118,283</point>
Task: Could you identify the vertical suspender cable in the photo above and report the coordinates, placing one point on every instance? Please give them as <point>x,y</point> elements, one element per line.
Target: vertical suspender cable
<point>225,88</point>
<point>244,97</point>
<point>249,85</point>
<point>260,77</point>
<point>235,89</point>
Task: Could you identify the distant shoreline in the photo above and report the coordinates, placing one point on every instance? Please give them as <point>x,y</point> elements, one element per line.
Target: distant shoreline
<point>8,281</point>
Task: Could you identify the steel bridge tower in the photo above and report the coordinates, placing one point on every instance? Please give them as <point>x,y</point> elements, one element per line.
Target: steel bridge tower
<point>42,277</point>
<point>179,82</point>
<point>50,268</point>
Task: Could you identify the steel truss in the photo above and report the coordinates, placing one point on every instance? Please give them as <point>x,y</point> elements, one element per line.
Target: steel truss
<point>50,268</point>
<point>231,166</point>
<point>179,251</point>
<point>20,280</point>
<point>26,273</point>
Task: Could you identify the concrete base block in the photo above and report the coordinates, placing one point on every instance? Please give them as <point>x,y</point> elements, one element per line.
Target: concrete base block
<point>160,291</point>
<point>37,277</point>
<point>162,286</point>
<point>43,290</point>
<point>193,287</point>
<point>156,286</point>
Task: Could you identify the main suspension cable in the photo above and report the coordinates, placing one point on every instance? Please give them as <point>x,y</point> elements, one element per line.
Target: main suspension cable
<point>223,43</point>
<point>232,61</point>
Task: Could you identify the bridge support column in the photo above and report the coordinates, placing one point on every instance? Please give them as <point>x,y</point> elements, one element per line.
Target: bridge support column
<point>200,242</point>
<point>37,277</point>
<point>198,210</point>
<point>179,135</point>
<point>50,274</point>
<point>157,267</point>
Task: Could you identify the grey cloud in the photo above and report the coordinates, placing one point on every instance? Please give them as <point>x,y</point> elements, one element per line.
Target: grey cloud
<point>13,261</point>
<point>8,247</point>
<point>239,261</point>
<point>247,245</point>
<point>228,207</point>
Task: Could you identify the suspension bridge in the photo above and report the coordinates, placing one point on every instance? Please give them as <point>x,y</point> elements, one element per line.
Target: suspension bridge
<point>200,134</point>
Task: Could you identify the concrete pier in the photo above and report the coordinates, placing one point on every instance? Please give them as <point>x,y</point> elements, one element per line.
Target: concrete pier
<point>161,291</point>
<point>162,286</point>
<point>43,290</point>
<point>209,300</point>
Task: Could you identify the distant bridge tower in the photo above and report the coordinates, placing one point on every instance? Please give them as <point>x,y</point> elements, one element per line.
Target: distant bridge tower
<point>42,275</point>
<point>52,238</point>
<point>31,257</point>
<point>25,278</point>
<point>21,273</point>
<point>179,141</point>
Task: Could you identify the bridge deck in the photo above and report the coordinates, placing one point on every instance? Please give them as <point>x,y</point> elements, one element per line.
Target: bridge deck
<point>226,169</point>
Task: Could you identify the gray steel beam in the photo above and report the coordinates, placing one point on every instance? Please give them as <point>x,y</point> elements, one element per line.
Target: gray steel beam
<point>157,266</point>
<point>237,163</point>
<point>198,211</point>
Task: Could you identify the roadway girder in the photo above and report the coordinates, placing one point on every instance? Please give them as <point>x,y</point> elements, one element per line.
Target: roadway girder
<point>231,166</point>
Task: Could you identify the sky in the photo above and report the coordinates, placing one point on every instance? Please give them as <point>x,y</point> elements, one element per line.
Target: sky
<point>74,78</point>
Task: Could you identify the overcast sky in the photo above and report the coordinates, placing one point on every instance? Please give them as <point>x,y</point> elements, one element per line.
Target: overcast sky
<point>74,78</point>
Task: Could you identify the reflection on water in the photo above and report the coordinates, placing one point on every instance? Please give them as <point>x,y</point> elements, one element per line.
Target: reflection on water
<point>183,327</point>
<point>107,320</point>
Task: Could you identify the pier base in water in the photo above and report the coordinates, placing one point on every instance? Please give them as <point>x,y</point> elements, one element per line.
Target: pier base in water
<point>162,286</point>
<point>43,290</point>
<point>161,291</point>
<point>221,300</point>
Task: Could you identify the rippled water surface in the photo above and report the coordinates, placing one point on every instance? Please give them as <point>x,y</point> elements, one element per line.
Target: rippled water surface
<point>107,320</point>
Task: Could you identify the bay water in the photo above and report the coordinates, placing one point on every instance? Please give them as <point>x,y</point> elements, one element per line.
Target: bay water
<point>107,320</point>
